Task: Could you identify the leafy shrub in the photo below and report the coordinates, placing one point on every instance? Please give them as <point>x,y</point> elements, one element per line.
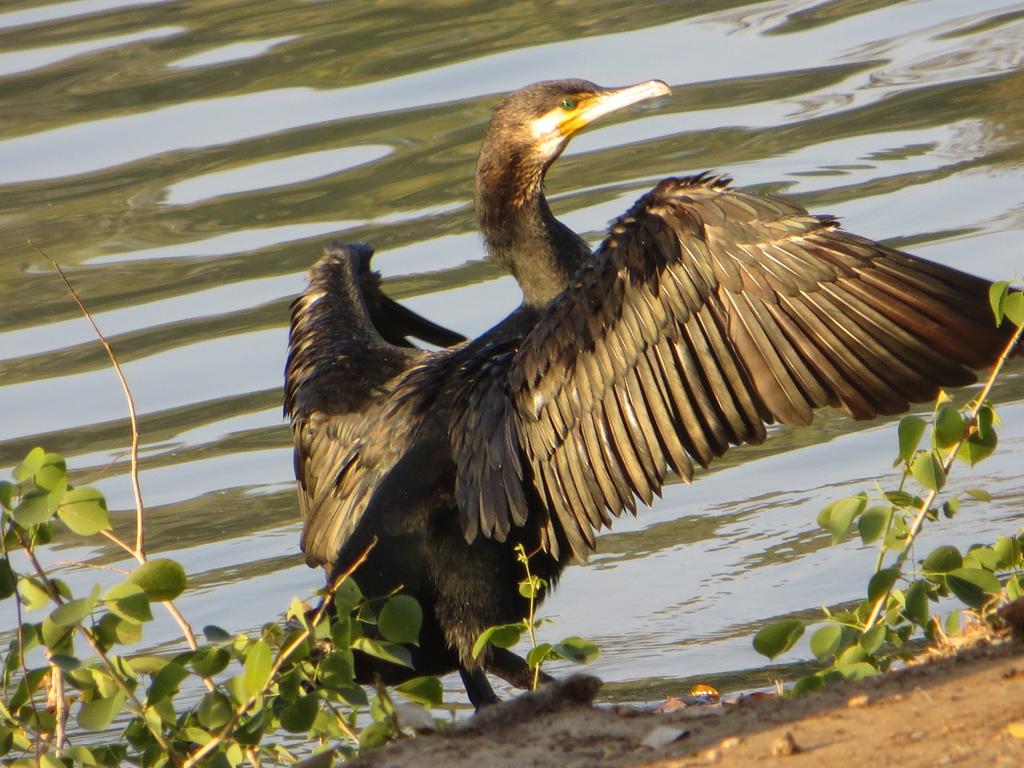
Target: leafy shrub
<point>898,606</point>
<point>296,680</point>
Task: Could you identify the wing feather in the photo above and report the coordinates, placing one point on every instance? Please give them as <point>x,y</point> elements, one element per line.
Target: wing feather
<point>705,314</point>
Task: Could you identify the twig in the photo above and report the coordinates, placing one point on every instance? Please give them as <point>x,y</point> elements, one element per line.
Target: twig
<point>138,552</point>
<point>947,464</point>
<point>60,711</point>
<point>283,655</point>
<point>136,488</point>
<point>94,566</point>
<point>120,542</point>
<point>21,650</point>
<point>341,723</point>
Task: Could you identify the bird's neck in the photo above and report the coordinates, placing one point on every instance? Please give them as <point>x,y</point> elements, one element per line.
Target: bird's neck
<point>522,234</point>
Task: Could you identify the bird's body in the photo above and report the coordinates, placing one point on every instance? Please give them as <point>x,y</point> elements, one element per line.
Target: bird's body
<point>706,313</point>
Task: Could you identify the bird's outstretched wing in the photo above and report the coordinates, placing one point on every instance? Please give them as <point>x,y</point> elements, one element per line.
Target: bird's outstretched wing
<point>347,343</point>
<point>705,314</point>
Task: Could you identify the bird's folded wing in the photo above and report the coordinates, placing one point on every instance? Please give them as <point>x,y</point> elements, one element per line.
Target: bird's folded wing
<point>338,374</point>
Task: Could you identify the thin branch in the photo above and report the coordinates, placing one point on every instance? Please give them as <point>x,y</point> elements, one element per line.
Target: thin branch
<point>120,542</point>
<point>60,710</point>
<point>283,655</point>
<point>138,552</point>
<point>136,488</point>
<point>21,649</point>
<point>94,566</point>
<point>947,465</point>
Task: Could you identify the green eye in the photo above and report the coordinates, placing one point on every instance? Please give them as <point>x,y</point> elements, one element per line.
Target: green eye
<point>568,104</point>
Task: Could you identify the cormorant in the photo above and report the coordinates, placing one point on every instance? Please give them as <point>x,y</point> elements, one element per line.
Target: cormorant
<point>706,313</point>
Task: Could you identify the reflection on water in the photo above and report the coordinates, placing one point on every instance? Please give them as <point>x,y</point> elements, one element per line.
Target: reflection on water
<point>187,161</point>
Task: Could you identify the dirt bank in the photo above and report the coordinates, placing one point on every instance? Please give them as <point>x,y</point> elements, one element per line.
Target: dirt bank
<point>966,709</point>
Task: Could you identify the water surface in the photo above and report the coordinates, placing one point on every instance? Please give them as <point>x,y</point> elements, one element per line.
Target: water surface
<point>186,162</point>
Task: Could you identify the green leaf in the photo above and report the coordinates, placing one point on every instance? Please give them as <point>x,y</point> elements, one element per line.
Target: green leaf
<point>538,655</point>
<point>979,494</point>
<point>532,587</point>
<point>910,431</point>
<point>899,498</point>
<point>72,612</point>
<point>66,663</point>
<point>215,634</point>
<point>951,508</point>
<point>197,735</point>
<point>347,596</point>
<point>374,735</point>
<point>842,515</point>
<point>927,470</point>
<point>250,732</point>
<point>390,652</point>
<point>873,523</point>
<point>56,638</point>
<point>1014,307</point>
<point>165,683</point>
<point>32,509</point>
<point>808,683</point>
<point>942,560</point>
<point>214,711</point>
<point>916,604</point>
<point>337,669</point>
<point>30,465</point>
<point>6,494</point>
<point>949,426</point>
<point>161,579</point>
<point>881,582</point>
<point>423,690</point>
<point>53,474</point>
<point>953,623</point>
<point>872,640</point>
<point>115,630</point>
<point>8,580</point>
<point>997,293</point>
<point>257,667</point>
<point>129,601</point>
<point>400,619</point>
<point>973,586</point>
<point>500,636</point>
<point>298,716</point>
<point>150,665</point>
<point>79,756</point>
<point>778,637</point>
<point>857,671</point>
<point>98,714</point>
<point>84,511</point>
<point>982,557</point>
<point>1007,550</point>
<point>577,649</point>
<point>977,447</point>
<point>825,641</point>
<point>210,661</point>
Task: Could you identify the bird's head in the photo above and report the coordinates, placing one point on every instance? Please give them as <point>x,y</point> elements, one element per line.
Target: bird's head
<point>533,125</point>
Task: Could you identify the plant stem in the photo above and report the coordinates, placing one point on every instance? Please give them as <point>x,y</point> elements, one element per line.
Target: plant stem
<point>132,419</point>
<point>60,713</point>
<point>139,550</point>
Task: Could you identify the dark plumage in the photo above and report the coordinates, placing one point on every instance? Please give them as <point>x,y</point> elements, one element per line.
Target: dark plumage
<point>705,314</point>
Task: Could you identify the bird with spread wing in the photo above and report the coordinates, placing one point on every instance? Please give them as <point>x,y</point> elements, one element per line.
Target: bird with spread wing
<point>705,314</point>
